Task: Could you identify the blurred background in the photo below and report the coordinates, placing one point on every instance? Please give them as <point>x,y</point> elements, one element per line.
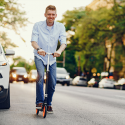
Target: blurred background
<point>95,31</point>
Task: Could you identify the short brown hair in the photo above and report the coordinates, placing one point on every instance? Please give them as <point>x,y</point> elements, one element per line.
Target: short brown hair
<point>50,7</point>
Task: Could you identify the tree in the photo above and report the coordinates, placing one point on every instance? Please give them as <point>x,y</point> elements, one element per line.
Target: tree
<point>11,17</point>
<point>99,27</point>
<point>71,17</point>
<point>6,42</point>
<point>93,30</point>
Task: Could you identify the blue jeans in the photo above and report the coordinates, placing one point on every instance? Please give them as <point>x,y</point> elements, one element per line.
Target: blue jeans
<point>40,81</point>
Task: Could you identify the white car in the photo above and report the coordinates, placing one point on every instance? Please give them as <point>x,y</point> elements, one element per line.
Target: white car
<point>4,79</point>
<point>79,80</point>
<point>93,82</point>
<point>32,75</point>
<point>106,83</point>
<point>120,84</point>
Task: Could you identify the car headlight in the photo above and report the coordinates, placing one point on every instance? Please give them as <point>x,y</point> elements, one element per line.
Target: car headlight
<point>67,77</point>
<point>44,76</point>
<point>25,76</point>
<point>33,76</point>
<point>14,75</point>
<point>3,64</point>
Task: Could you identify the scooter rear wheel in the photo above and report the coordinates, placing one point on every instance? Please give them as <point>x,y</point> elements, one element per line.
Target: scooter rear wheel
<point>44,111</point>
<point>37,111</point>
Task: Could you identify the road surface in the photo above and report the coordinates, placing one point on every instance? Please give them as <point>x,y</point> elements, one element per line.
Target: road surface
<point>72,105</point>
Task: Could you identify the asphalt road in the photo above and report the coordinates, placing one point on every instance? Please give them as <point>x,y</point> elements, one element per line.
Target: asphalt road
<point>72,105</point>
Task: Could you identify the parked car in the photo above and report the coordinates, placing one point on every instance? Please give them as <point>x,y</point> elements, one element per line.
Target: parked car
<point>93,82</point>
<point>4,79</point>
<point>18,74</point>
<point>32,75</point>
<point>79,80</point>
<point>62,76</point>
<point>44,77</point>
<point>106,83</point>
<point>120,84</point>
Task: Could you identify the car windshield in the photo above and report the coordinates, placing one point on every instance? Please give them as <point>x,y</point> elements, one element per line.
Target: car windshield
<point>20,70</point>
<point>81,78</point>
<point>34,72</point>
<point>110,79</point>
<point>61,71</point>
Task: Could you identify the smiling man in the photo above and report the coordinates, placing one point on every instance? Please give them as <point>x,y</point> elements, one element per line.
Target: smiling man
<point>45,36</point>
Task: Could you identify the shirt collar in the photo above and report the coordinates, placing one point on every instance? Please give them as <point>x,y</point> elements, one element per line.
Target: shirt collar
<point>45,24</point>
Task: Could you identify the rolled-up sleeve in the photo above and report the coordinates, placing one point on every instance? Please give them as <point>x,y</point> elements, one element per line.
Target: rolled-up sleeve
<point>62,36</point>
<point>35,33</point>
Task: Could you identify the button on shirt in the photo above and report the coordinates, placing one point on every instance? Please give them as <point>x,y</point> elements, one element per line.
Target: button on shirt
<point>47,39</point>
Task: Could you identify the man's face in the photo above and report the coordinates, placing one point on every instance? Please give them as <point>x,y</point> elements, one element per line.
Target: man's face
<point>50,16</point>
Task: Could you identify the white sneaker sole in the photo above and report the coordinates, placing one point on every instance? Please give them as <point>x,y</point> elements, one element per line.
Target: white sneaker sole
<point>38,107</point>
<point>49,112</point>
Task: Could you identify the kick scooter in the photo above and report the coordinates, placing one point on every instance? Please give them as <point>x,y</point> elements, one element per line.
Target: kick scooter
<point>44,106</point>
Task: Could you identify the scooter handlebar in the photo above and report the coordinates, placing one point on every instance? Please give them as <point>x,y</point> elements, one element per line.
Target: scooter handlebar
<point>49,53</point>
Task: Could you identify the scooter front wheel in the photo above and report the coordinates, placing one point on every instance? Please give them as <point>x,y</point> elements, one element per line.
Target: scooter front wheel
<point>44,111</point>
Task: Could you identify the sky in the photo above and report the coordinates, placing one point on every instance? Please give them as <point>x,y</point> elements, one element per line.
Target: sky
<point>35,12</point>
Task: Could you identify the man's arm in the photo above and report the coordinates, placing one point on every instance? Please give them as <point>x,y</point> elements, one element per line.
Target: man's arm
<point>40,51</point>
<point>60,50</point>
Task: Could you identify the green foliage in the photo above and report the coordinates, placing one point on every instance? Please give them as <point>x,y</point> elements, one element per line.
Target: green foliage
<point>6,42</point>
<point>70,18</point>
<point>70,63</point>
<point>92,30</point>
<point>11,16</point>
<point>97,27</point>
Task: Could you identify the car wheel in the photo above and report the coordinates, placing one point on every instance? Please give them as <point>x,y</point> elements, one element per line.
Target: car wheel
<point>62,84</point>
<point>68,84</point>
<point>10,81</point>
<point>6,103</point>
<point>26,81</point>
<point>121,87</point>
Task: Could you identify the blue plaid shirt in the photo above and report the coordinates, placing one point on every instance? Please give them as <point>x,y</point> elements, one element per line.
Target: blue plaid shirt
<point>48,39</point>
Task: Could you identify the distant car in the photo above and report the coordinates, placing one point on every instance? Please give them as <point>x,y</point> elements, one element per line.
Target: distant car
<point>32,75</point>
<point>44,77</point>
<point>120,84</point>
<point>93,82</point>
<point>62,76</point>
<point>4,79</point>
<point>106,83</point>
<point>79,80</point>
<point>18,74</point>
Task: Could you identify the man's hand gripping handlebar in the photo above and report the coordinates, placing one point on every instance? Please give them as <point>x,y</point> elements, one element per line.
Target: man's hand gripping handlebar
<point>43,53</point>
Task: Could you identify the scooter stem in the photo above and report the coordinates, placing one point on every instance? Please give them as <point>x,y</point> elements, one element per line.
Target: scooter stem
<point>48,60</point>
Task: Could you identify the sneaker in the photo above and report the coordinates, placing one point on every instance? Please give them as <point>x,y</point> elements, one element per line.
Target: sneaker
<point>49,109</point>
<point>39,106</point>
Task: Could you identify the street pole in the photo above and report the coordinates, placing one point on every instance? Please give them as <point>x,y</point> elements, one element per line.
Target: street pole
<point>78,65</point>
<point>64,53</point>
<point>63,62</point>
